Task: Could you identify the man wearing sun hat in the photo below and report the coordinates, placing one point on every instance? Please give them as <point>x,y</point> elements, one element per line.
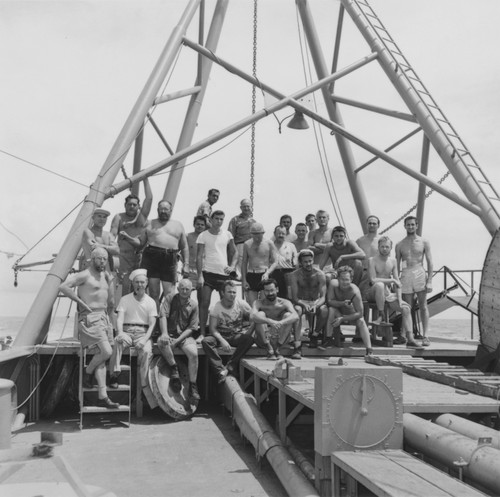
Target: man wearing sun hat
<point>95,236</point>
<point>135,323</point>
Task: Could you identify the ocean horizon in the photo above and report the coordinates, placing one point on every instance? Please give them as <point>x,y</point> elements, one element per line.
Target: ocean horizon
<point>62,327</point>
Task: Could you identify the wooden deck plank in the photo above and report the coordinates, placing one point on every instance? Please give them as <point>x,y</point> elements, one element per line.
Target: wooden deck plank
<point>395,473</point>
<point>419,395</point>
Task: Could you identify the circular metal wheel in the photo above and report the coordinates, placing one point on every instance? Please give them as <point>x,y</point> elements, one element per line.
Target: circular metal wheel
<point>489,297</point>
<point>176,405</point>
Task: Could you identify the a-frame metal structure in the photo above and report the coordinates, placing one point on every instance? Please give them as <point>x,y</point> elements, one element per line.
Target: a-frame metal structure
<point>479,195</point>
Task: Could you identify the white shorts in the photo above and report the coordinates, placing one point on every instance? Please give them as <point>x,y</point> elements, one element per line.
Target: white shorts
<point>413,280</point>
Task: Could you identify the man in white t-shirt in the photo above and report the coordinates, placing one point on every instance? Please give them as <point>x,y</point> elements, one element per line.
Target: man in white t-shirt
<point>229,327</point>
<point>135,323</point>
<point>214,246</point>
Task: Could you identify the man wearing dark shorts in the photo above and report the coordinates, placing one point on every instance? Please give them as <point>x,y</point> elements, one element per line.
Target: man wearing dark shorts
<point>212,263</point>
<point>164,238</point>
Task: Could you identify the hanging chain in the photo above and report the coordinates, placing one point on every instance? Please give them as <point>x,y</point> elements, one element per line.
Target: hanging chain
<point>409,211</point>
<point>254,92</point>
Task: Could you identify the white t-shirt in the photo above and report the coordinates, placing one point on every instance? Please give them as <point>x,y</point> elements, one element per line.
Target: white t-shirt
<point>137,312</point>
<point>215,256</point>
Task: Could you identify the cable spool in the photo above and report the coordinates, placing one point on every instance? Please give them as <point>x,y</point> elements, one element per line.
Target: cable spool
<point>489,297</point>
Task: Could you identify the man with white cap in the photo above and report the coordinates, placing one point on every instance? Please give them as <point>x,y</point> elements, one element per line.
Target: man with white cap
<point>259,261</point>
<point>178,321</point>
<point>135,324</point>
<point>95,236</point>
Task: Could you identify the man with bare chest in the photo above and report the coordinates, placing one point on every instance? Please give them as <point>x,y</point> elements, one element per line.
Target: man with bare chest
<point>258,262</point>
<point>308,286</point>
<point>274,318</point>
<point>95,302</point>
<point>164,237</point>
<point>410,254</point>
<point>385,289</point>
<point>319,237</point>
<point>127,225</point>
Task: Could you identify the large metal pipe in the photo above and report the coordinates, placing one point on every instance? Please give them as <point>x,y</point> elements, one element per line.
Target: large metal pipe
<point>256,429</point>
<point>468,428</point>
<point>479,463</point>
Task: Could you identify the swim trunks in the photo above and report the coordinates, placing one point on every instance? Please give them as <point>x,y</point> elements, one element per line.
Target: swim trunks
<point>160,263</point>
<point>254,280</point>
<point>214,280</point>
<point>413,279</point>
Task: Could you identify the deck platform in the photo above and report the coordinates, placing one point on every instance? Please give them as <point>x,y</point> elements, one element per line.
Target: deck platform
<point>419,395</point>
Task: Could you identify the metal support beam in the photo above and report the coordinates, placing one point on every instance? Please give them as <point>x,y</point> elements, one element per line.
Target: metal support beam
<point>177,94</point>
<point>374,108</point>
<point>424,169</point>
<point>430,125</point>
<point>31,329</point>
<point>139,141</point>
<point>344,146</point>
<point>193,112</point>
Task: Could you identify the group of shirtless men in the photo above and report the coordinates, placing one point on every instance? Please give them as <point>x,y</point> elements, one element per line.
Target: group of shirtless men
<point>316,273</point>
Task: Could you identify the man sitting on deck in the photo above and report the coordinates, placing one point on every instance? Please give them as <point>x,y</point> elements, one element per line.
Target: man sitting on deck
<point>345,306</point>
<point>95,299</point>
<point>308,286</point>
<point>342,251</point>
<point>178,321</point>
<point>228,328</point>
<point>384,275</point>
<point>135,324</point>
<point>274,318</point>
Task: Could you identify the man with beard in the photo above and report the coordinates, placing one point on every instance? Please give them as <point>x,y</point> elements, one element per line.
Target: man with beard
<point>410,254</point>
<point>342,251</point>
<point>164,237</point>
<point>274,318</point>
<point>228,329</point>
<point>134,325</point>
<point>308,286</point>
<point>95,301</point>
<point>127,225</point>
<point>345,306</point>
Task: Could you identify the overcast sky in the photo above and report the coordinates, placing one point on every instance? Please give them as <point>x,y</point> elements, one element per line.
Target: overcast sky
<point>72,70</point>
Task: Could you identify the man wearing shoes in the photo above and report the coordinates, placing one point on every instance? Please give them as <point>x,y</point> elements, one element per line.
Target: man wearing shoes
<point>135,324</point>
<point>228,328</point>
<point>95,301</point>
<point>178,321</point>
<point>274,318</point>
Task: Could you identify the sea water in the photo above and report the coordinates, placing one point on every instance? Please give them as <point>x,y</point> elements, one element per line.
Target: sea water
<point>63,327</point>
